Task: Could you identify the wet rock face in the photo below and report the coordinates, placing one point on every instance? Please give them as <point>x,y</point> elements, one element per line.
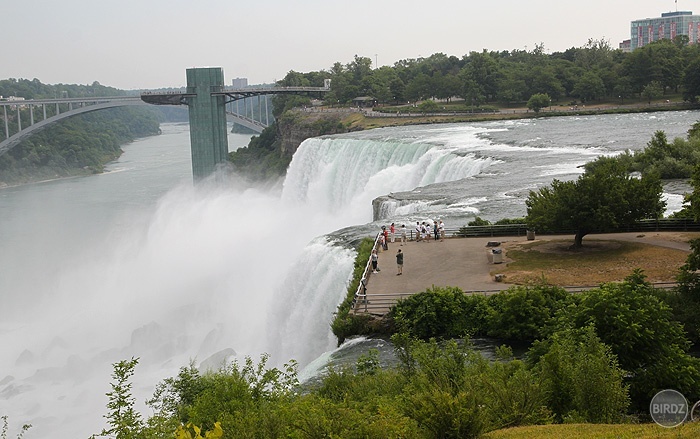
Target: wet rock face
<point>306,125</point>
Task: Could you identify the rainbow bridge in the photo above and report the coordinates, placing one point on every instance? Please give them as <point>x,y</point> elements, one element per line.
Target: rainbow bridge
<point>206,97</point>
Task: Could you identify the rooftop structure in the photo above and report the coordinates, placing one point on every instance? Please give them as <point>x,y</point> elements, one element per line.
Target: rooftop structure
<point>240,82</point>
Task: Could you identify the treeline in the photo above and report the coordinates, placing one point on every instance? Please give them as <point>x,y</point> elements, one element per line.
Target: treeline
<point>35,89</point>
<point>78,145</point>
<point>587,74</point>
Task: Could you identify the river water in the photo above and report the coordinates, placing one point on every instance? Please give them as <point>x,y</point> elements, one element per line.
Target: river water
<point>138,262</point>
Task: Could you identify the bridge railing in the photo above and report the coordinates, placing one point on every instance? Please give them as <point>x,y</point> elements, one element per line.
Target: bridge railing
<point>50,109</point>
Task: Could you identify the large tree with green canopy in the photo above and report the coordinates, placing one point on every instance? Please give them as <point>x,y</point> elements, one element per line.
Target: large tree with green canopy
<point>604,197</point>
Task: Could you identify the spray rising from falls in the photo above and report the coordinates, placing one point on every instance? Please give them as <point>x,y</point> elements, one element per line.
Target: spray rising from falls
<point>208,274</point>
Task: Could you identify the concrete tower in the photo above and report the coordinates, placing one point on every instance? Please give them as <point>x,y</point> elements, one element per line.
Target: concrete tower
<point>208,130</point>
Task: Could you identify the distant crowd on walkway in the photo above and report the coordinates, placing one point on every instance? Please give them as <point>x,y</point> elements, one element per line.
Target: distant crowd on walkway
<point>425,231</point>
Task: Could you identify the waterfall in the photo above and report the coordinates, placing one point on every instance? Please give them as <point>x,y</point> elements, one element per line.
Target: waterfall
<point>207,274</point>
<point>343,175</point>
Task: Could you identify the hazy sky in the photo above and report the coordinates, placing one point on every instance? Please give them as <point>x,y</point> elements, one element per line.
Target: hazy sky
<point>134,44</point>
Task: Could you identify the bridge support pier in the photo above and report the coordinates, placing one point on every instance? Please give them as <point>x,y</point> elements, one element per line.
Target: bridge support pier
<point>208,130</point>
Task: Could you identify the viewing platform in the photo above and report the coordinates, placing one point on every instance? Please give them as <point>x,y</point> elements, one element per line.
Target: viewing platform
<point>465,263</point>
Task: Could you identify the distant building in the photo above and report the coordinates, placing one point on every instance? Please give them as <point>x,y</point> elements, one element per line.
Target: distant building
<point>240,82</point>
<point>626,46</point>
<point>668,26</point>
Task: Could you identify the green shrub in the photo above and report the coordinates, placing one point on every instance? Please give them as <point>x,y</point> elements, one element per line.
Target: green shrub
<point>478,221</point>
<point>436,312</point>
<point>583,379</point>
<point>522,313</point>
<point>510,221</point>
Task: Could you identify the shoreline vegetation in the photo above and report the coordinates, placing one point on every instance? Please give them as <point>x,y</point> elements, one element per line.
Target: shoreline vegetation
<point>363,119</point>
<point>76,147</point>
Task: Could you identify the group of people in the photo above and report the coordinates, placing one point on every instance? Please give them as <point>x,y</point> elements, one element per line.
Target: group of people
<point>424,231</point>
<point>375,262</point>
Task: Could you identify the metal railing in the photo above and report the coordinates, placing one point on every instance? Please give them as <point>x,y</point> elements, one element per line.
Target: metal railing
<point>361,292</point>
<point>381,304</point>
<point>655,225</point>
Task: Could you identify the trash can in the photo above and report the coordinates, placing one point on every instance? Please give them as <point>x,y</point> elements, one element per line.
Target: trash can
<point>530,235</point>
<point>497,255</point>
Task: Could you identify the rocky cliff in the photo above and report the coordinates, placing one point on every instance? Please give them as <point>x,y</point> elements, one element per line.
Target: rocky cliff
<point>296,126</point>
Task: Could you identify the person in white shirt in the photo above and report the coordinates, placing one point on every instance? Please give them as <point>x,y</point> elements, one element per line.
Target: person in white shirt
<point>375,262</point>
<point>441,230</point>
<point>403,234</point>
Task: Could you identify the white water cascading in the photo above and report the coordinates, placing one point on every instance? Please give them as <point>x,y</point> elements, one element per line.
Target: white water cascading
<point>346,174</point>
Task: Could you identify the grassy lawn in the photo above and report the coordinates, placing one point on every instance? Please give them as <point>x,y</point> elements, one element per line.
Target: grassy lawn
<point>583,431</point>
<point>598,262</point>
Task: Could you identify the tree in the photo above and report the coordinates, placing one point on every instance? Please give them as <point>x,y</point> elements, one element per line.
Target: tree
<point>538,101</point>
<point>482,69</point>
<point>652,91</point>
<point>642,332</point>
<point>436,312</point>
<point>583,377</point>
<point>125,422</point>
<point>604,197</point>
<point>589,87</point>
<point>522,313</point>
<point>691,82</point>
<point>692,200</point>
<point>544,80</point>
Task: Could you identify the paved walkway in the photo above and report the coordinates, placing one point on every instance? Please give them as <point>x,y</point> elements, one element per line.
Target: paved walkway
<point>463,263</point>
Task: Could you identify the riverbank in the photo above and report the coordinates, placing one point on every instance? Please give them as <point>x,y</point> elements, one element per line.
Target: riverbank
<point>358,119</point>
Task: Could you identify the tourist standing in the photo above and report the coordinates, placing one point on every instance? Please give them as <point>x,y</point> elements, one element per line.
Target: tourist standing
<point>435,230</point>
<point>392,232</point>
<point>403,234</point>
<point>417,231</point>
<point>375,261</point>
<point>441,229</point>
<point>399,262</point>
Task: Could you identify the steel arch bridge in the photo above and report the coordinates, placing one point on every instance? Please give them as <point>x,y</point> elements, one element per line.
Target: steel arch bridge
<point>77,106</point>
<point>209,104</point>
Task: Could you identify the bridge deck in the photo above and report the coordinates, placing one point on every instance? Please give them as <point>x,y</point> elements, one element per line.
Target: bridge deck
<point>458,262</point>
